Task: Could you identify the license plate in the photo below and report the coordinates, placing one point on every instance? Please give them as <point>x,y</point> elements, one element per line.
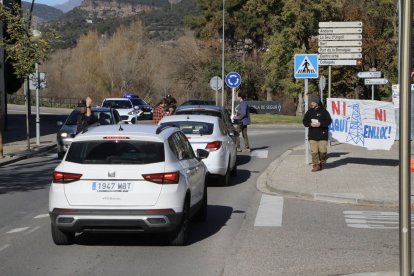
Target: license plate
<point>112,186</point>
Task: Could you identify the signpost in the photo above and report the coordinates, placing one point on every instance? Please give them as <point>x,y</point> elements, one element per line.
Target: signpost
<point>306,67</point>
<point>322,84</point>
<point>338,41</point>
<point>233,80</point>
<point>216,84</point>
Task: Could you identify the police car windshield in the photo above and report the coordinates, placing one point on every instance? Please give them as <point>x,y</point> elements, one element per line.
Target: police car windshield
<point>121,104</point>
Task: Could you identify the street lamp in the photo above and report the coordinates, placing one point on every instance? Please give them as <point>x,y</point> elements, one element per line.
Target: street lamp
<point>36,35</point>
<point>222,61</point>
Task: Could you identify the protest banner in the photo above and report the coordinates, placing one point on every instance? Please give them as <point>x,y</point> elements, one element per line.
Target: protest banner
<point>365,123</point>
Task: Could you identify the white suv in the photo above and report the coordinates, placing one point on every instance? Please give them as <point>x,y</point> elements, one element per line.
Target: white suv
<point>124,107</point>
<point>128,178</point>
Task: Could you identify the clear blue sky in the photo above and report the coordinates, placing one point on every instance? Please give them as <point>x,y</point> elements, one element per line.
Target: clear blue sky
<point>48,2</point>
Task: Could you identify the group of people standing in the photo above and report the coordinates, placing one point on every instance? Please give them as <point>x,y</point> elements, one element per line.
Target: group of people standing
<point>317,119</point>
<point>166,106</point>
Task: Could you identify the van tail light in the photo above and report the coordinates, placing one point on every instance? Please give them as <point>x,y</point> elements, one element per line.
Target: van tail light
<point>212,146</point>
<point>64,177</point>
<point>163,178</point>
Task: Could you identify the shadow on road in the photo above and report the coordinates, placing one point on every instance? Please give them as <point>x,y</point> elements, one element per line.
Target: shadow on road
<point>363,161</point>
<point>217,218</point>
<point>15,179</point>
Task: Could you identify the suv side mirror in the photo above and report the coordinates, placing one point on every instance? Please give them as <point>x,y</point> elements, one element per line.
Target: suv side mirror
<point>202,154</point>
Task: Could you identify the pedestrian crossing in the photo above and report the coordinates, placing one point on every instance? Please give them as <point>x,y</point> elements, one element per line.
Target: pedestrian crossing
<point>270,214</point>
<point>372,219</point>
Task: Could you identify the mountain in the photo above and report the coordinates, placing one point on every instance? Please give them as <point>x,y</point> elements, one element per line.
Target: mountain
<point>42,13</point>
<point>68,5</point>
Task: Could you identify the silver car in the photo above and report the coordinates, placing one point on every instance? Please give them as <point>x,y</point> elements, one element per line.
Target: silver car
<point>69,129</point>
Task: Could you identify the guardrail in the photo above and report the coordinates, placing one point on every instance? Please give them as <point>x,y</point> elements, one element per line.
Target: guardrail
<point>44,101</point>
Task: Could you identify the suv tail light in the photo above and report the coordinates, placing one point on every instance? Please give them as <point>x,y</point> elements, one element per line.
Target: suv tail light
<point>163,178</point>
<point>64,177</point>
<point>212,146</point>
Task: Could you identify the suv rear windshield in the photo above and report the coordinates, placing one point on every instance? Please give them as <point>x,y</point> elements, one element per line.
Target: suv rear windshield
<point>198,112</point>
<point>122,104</point>
<point>116,152</point>
<point>190,127</point>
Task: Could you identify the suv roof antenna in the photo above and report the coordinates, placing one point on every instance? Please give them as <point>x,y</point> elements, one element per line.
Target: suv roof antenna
<point>120,128</point>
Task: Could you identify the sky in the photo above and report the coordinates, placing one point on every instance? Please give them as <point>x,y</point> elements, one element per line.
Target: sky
<point>49,2</point>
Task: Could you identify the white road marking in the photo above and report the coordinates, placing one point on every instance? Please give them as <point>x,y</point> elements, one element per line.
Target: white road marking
<point>270,211</point>
<point>259,153</point>
<point>41,216</point>
<point>17,230</point>
<point>372,219</point>
<point>4,247</point>
<point>32,230</point>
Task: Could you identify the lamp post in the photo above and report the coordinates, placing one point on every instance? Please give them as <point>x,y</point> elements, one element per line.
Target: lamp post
<point>222,61</point>
<point>36,35</point>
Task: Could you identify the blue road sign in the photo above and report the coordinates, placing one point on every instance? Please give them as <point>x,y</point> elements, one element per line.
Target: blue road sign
<point>233,80</point>
<point>306,66</point>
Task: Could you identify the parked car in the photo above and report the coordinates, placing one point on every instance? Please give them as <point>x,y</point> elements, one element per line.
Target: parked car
<point>125,107</point>
<point>138,103</point>
<point>199,102</point>
<point>209,133</point>
<point>211,110</point>
<point>128,178</point>
<point>68,130</point>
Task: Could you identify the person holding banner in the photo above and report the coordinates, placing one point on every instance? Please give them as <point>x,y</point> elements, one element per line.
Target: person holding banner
<point>317,119</point>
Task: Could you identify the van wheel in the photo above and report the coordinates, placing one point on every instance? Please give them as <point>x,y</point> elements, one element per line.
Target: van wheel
<point>60,237</point>
<point>179,236</point>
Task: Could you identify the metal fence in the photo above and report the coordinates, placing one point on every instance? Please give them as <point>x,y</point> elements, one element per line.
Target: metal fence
<point>44,101</point>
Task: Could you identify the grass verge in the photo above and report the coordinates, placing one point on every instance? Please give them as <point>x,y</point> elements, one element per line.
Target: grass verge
<point>275,119</point>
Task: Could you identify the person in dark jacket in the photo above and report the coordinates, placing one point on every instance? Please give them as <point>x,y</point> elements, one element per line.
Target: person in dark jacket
<point>317,119</point>
<point>243,118</point>
<point>85,117</point>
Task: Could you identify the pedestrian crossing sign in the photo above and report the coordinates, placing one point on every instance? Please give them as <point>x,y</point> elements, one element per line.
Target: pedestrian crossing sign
<point>306,66</point>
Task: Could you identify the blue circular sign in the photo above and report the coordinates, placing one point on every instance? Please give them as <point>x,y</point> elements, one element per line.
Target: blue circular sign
<point>233,80</point>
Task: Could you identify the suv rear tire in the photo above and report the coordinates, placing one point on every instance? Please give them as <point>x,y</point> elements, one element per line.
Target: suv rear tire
<point>201,214</point>
<point>60,237</point>
<point>179,236</point>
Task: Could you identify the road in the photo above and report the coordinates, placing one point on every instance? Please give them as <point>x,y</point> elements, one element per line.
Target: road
<point>247,232</point>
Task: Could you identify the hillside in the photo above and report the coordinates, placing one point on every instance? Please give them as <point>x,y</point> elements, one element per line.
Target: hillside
<point>42,13</point>
<point>163,21</point>
<point>69,5</point>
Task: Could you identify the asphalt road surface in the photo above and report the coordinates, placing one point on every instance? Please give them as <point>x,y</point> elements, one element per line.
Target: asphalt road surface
<point>246,233</point>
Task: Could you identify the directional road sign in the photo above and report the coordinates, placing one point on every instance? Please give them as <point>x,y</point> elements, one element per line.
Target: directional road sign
<point>375,81</point>
<point>349,24</point>
<point>329,50</point>
<point>340,56</point>
<point>326,62</point>
<point>306,66</point>
<point>233,80</point>
<point>340,37</point>
<point>370,74</point>
<point>340,43</point>
<point>341,31</point>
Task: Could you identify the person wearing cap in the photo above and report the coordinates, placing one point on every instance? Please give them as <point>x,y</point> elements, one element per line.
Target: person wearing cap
<point>317,119</point>
<point>84,117</point>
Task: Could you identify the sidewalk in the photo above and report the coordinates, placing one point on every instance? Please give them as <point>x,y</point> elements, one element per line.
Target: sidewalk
<point>16,151</point>
<point>353,175</point>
